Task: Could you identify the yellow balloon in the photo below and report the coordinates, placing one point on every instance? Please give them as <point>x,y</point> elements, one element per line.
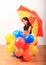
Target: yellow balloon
<point>11,47</point>
<point>35,40</point>
<point>7,43</point>
<point>33,49</point>
<point>9,38</point>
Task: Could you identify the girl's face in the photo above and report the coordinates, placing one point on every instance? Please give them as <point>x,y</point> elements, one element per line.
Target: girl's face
<point>25,22</point>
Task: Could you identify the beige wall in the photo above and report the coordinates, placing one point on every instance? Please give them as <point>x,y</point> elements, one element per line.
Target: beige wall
<point>9,19</point>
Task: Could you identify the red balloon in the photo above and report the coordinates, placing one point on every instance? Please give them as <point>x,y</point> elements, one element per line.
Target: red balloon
<point>19,42</point>
<point>25,46</point>
<point>27,55</point>
<point>19,52</point>
<point>26,32</point>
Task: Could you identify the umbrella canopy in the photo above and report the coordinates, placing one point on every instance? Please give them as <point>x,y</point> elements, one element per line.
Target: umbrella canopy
<point>34,19</point>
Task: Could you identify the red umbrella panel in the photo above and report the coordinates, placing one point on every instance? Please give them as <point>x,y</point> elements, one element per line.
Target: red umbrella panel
<point>34,19</point>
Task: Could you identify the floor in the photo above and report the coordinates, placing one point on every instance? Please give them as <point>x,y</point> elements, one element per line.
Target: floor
<point>8,59</point>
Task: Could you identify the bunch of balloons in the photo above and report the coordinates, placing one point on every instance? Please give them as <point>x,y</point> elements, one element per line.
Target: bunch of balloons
<point>22,44</point>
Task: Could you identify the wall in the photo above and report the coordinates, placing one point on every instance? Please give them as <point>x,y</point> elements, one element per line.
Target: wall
<point>9,18</point>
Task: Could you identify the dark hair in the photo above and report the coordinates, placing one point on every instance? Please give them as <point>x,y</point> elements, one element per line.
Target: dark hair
<point>25,18</point>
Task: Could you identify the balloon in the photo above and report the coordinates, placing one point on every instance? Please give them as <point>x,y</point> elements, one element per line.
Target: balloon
<point>27,55</point>
<point>11,47</point>
<point>17,56</point>
<point>19,52</point>
<point>29,38</point>
<point>25,46</point>
<point>19,42</point>
<point>26,32</point>
<point>33,49</point>
<point>18,33</point>
<point>9,38</point>
<point>7,43</point>
<point>35,41</point>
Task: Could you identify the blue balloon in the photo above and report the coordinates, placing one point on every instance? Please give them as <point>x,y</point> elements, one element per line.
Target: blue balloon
<point>18,33</point>
<point>29,38</point>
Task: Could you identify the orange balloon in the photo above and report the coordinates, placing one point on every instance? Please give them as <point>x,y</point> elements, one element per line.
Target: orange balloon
<point>27,55</point>
<point>36,43</point>
<point>33,49</point>
<point>19,52</point>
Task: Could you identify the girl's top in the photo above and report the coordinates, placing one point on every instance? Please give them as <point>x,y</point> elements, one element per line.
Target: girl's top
<point>26,27</point>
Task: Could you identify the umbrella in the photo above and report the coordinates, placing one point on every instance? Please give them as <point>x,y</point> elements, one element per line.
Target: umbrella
<point>34,19</point>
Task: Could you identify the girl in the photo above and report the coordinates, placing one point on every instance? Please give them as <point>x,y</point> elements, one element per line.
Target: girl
<point>27,24</point>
